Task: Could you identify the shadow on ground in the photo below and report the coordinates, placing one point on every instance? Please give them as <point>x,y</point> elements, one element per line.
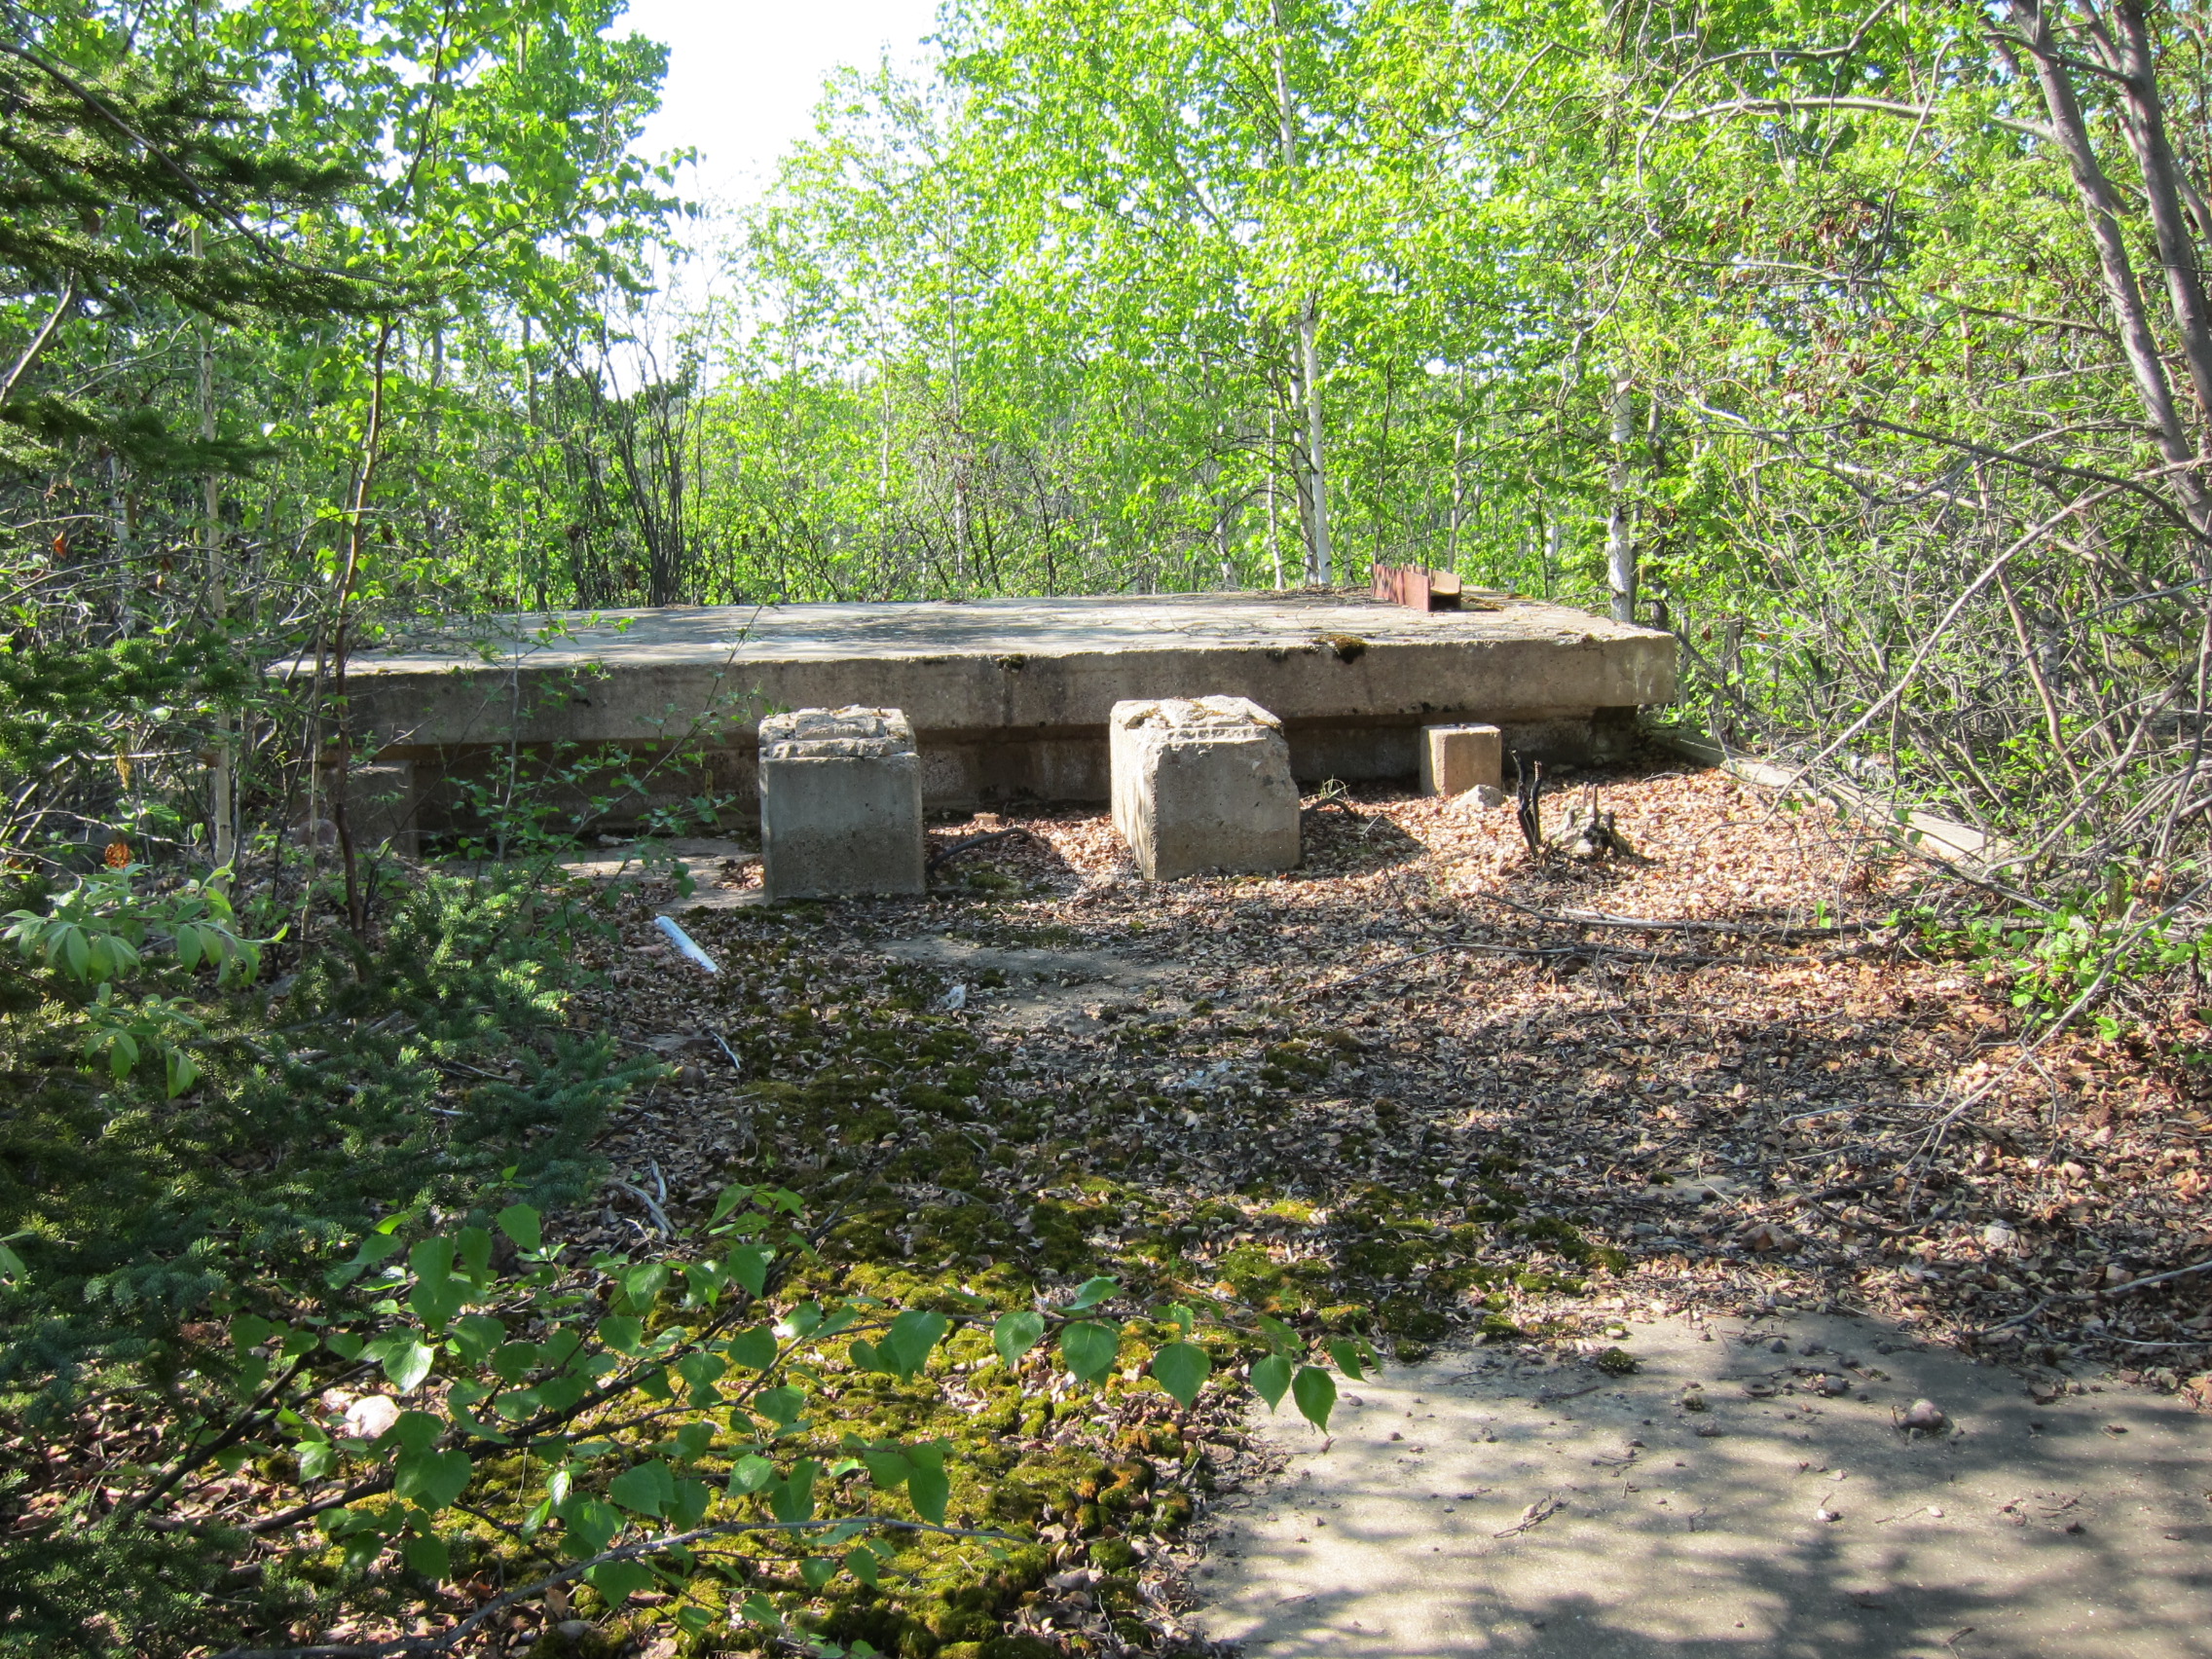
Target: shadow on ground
<point>1798,1523</point>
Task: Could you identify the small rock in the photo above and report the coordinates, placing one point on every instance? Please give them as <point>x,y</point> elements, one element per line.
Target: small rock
<point>371,1416</point>
<point>1922,1417</point>
<point>1482,798</point>
<point>1936,1510</point>
<point>1825,1513</point>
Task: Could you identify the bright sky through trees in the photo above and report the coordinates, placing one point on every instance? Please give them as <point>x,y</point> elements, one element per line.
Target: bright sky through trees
<point>743,79</point>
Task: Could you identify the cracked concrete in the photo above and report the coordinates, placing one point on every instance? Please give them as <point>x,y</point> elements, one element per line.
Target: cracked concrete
<point>1790,1517</point>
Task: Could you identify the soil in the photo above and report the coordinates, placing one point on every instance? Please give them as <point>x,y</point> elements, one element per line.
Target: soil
<point>1413,1092</point>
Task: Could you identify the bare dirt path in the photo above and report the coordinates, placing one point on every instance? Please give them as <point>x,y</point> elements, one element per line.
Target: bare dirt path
<point>1493,1503</point>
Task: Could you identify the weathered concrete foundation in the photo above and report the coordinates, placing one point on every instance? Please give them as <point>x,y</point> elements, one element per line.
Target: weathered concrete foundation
<point>1457,758</point>
<point>637,713</point>
<point>1203,784</point>
<point>840,803</point>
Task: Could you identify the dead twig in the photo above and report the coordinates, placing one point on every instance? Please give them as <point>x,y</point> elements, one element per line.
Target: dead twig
<point>652,1206</point>
<point>1535,1515</point>
<point>941,855</point>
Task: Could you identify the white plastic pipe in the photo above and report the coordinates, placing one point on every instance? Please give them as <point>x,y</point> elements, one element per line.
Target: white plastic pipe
<point>685,943</point>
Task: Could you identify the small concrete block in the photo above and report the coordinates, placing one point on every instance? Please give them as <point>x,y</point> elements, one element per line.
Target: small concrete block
<point>1202,784</point>
<point>840,803</point>
<point>381,806</point>
<point>1457,758</point>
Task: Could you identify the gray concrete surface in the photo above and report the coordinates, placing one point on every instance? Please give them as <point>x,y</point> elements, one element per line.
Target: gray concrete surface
<point>1009,698</point>
<point>841,804</point>
<point>1202,784</point>
<point>1782,1521</point>
<point>1457,758</point>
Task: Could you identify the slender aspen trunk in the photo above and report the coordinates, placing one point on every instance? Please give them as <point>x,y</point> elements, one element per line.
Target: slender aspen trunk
<point>2101,204</point>
<point>1318,567</point>
<point>222,809</point>
<point>1620,523</point>
<point>1274,485</point>
<point>2130,59</point>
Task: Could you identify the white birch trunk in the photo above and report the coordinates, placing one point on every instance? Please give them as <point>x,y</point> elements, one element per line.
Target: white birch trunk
<point>1620,524</point>
<point>1318,567</point>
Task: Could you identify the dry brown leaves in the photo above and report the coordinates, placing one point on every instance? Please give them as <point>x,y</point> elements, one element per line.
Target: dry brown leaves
<point>1750,1119</point>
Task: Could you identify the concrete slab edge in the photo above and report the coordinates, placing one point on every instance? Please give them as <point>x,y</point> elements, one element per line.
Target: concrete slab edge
<point>1927,835</point>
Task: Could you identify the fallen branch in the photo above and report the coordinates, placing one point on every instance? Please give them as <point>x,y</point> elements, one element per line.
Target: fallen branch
<point>1653,924</point>
<point>968,843</point>
<point>1535,1515</point>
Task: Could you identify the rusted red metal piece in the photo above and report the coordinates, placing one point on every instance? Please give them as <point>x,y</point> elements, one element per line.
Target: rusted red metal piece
<point>1416,588</point>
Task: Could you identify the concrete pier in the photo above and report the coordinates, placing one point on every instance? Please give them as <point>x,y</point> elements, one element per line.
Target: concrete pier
<point>1008,698</point>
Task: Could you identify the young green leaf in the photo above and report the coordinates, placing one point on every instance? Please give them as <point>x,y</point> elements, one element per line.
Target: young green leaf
<point>1271,1378</point>
<point>1181,1369</point>
<point>427,1556</point>
<point>1315,1392</point>
<point>1091,1292</point>
<point>862,1565</point>
<point>750,1473</point>
<point>907,1347</point>
<point>753,1349</point>
<point>1016,1334</point>
<point>521,1224</point>
<point>930,1491</point>
<point>1090,1348</point>
<point>406,1361</point>
<point>620,1580</point>
<point>432,1479</point>
<point>645,1488</point>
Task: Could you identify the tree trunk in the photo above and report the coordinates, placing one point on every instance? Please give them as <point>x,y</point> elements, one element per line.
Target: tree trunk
<point>1318,567</point>
<point>2130,59</point>
<point>222,809</point>
<point>2101,204</point>
<point>1620,521</point>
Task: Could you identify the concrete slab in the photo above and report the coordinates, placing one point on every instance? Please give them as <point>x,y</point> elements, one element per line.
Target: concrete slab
<point>1429,1527</point>
<point>1009,698</point>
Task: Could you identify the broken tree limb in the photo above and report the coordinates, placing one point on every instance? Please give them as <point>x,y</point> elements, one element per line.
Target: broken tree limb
<point>1653,924</point>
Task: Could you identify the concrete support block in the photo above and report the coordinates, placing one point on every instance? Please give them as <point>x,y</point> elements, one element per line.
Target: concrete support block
<point>1202,784</point>
<point>1457,758</point>
<point>840,803</point>
<point>380,808</point>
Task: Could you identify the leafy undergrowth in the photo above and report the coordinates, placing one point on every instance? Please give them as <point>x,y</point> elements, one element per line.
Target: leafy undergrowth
<point>141,1226</point>
<point>1375,1099</point>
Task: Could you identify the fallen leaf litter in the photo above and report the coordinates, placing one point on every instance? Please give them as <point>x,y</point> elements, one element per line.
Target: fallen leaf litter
<point>1427,1090</point>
